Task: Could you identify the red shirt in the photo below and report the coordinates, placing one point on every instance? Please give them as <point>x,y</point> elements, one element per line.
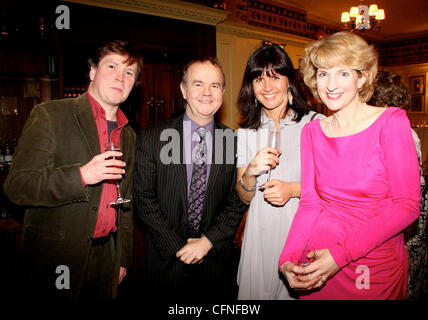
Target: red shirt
<point>106,219</point>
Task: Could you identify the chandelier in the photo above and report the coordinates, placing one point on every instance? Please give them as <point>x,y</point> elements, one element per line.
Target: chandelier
<point>363,18</point>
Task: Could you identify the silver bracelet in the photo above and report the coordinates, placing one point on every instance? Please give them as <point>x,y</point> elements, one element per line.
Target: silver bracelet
<point>245,187</point>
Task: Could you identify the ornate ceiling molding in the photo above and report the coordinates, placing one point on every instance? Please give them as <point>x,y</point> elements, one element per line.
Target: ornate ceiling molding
<point>168,9</point>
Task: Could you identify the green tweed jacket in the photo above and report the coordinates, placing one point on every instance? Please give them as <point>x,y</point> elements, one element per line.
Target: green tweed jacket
<point>58,138</point>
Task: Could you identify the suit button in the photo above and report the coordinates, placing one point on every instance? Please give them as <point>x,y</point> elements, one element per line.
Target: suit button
<point>94,208</point>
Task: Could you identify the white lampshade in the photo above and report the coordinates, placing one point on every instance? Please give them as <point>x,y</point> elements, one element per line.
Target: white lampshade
<point>345,17</point>
<point>373,10</point>
<point>353,12</point>
<point>380,15</point>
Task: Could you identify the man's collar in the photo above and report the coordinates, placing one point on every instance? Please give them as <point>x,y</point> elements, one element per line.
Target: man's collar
<point>99,111</point>
<point>209,126</point>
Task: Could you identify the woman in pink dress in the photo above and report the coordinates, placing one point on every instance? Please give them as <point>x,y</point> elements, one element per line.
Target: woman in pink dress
<point>360,182</point>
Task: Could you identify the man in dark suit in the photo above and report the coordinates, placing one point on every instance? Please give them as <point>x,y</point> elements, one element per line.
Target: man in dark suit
<point>184,194</point>
<point>76,244</point>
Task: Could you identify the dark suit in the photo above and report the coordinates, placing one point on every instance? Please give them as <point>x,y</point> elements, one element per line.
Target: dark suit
<point>58,138</point>
<point>160,202</point>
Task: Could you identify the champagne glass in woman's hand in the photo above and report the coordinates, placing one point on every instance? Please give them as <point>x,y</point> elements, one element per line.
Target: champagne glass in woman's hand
<point>273,141</point>
<point>304,259</point>
<point>115,146</point>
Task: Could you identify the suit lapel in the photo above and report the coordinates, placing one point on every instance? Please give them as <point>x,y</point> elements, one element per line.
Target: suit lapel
<point>86,123</point>
<point>180,169</point>
<point>216,170</point>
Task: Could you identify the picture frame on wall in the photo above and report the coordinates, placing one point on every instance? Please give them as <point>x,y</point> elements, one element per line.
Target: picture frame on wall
<point>417,103</point>
<point>417,85</point>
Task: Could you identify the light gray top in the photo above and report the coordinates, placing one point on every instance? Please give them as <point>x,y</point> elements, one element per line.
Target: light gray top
<point>267,226</point>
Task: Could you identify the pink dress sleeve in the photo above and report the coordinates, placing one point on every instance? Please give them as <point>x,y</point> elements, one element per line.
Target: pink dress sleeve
<point>309,205</point>
<point>402,167</point>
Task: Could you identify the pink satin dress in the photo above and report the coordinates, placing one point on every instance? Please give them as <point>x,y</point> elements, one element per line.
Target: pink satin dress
<point>358,194</point>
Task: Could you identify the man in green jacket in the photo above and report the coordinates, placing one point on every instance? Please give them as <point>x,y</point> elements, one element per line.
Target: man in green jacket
<point>76,244</point>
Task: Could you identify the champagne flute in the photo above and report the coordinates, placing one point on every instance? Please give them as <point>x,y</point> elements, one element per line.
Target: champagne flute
<point>115,146</point>
<point>273,141</point>
<point>304,260</point>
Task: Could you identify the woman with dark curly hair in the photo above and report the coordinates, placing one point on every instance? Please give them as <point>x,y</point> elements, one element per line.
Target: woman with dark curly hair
<point>269,99</point>
<point>390,91</point>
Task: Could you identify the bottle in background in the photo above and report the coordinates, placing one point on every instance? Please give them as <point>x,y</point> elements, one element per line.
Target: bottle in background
<point>7,155</point>
<point>2,162</point>
<point>14,144</point>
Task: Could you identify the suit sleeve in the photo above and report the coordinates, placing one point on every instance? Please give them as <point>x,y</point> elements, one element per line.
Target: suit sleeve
<point>33,179</point>
<point>228,220</point>
<point>146,204</point>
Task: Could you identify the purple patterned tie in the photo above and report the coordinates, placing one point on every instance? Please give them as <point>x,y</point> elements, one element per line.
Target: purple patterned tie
<point>197,185</point>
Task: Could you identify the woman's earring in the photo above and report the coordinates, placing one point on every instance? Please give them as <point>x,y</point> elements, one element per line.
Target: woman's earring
<point>255,102</point>
<point>290,98</point>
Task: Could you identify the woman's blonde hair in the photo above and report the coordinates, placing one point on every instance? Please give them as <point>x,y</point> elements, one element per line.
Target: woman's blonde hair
<point>341,48</point>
